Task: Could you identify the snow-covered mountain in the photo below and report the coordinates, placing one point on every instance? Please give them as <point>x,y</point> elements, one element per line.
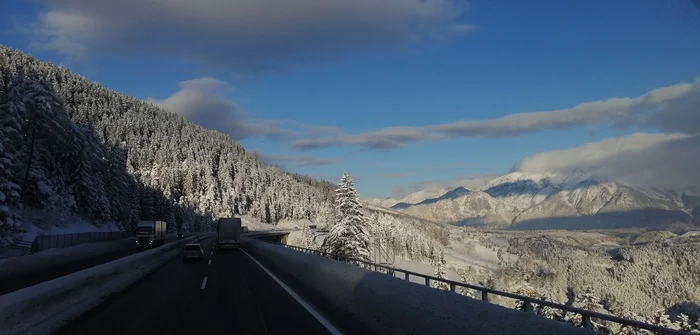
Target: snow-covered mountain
<point>574,200</point>
<point>105,157</point>
<point>412,198</point>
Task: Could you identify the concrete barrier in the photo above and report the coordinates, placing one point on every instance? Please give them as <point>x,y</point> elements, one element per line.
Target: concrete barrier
<point>358,301</point>
<point>46,307</point>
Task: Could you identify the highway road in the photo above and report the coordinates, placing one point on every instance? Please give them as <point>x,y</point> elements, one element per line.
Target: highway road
<point>226,293</point>
<point>59,270</point>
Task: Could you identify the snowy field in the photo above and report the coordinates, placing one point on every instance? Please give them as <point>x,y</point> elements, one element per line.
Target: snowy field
<point>422,268</point>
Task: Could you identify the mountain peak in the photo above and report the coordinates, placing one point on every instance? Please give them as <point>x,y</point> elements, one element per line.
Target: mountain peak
<point>455,193</point>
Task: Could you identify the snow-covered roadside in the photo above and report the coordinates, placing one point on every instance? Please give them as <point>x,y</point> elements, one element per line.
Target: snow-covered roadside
<point>46,307</point>
<point>51,258</point>
<point>22,265</point>
<point>370,302</point>
<point>8,253</point>
<point>254,224</point>
<point>37,223</point>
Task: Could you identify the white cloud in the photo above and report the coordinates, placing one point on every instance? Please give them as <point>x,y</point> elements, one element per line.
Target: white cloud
<point>657,160</point>
<point>296,160</point>
<point>243,34</point>
<point>662,160</point>
<point>669,109</point>
<point>432,186</point>
<point>201,101</point>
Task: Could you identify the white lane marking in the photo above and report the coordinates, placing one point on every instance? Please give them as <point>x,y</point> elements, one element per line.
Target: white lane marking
<point>209,262</point>
<point>204,283</point>
<point>299,299</point>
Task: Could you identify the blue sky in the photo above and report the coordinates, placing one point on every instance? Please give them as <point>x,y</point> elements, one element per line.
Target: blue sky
<point>359,69</point>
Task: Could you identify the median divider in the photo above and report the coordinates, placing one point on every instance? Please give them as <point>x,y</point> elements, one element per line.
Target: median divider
<point>358,301</point>
<point>46,307</point>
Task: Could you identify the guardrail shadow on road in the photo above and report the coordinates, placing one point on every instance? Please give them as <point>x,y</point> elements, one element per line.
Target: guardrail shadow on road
<point>589,319</point>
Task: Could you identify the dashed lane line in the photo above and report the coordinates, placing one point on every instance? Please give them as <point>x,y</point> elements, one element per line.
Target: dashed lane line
<point>204,283</point>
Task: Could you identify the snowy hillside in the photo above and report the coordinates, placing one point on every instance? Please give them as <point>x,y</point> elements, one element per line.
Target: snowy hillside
<point>70,147</point>
<point>574,200</point>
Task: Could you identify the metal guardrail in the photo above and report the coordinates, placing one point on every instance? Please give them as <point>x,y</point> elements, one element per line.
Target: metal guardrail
<point>586,315</point>
<point>43,242</point>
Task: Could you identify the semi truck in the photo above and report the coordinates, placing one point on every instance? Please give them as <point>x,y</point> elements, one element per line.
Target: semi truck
<point>150,233</point>
<point>228,232</point>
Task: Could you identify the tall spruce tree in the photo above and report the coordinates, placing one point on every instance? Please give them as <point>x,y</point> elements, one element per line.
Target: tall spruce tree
<point>349,236</point>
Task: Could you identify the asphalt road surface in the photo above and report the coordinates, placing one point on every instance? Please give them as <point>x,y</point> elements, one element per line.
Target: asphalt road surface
<point>60,270</point>
<point>226,293</point>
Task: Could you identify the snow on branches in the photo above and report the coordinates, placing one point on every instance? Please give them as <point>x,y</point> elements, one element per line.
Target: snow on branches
<point>350,235</point>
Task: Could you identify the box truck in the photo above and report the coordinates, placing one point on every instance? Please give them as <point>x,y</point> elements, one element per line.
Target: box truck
<point>150,233</point>
<point>228,233</point>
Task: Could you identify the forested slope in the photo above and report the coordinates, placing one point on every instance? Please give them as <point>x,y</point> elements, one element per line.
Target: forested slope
<point>69,145</point>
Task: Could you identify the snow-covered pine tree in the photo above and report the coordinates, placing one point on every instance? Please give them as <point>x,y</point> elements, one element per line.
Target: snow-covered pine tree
<point>10,135</point>
<point>440,271</point>
<point>307,237</point>
<point>463,290</point>
<point>349,236</point>
<point>325,216</point>
<point>587,300</point>
<point>44,134</point>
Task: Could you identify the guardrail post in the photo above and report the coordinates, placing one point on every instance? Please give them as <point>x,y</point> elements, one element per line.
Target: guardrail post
<point>484,296</point>
<point>527,307</point>
<point>406,275</point>
<point>452,287</point>
<point>427,281</point>
<point>587,321</point>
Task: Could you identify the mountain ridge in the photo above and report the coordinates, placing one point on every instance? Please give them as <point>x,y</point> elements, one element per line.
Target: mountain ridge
<point>540,200</point>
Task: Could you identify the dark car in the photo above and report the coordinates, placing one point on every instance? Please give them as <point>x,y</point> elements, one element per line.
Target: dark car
<point>180,235</point>
<point>192,251</point>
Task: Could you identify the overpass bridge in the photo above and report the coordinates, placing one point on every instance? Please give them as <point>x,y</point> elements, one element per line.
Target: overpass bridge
<point>272,235</point>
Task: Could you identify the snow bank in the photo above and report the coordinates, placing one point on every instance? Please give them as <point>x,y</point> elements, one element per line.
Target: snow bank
<point>9,252</point>
<point>44,308</point>
<point>23,265</point>
<point>361,301</point>
<point>66,225</point>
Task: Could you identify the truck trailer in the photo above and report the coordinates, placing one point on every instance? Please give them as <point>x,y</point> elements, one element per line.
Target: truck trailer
<point>150,233</point>
<point>228,233</point>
